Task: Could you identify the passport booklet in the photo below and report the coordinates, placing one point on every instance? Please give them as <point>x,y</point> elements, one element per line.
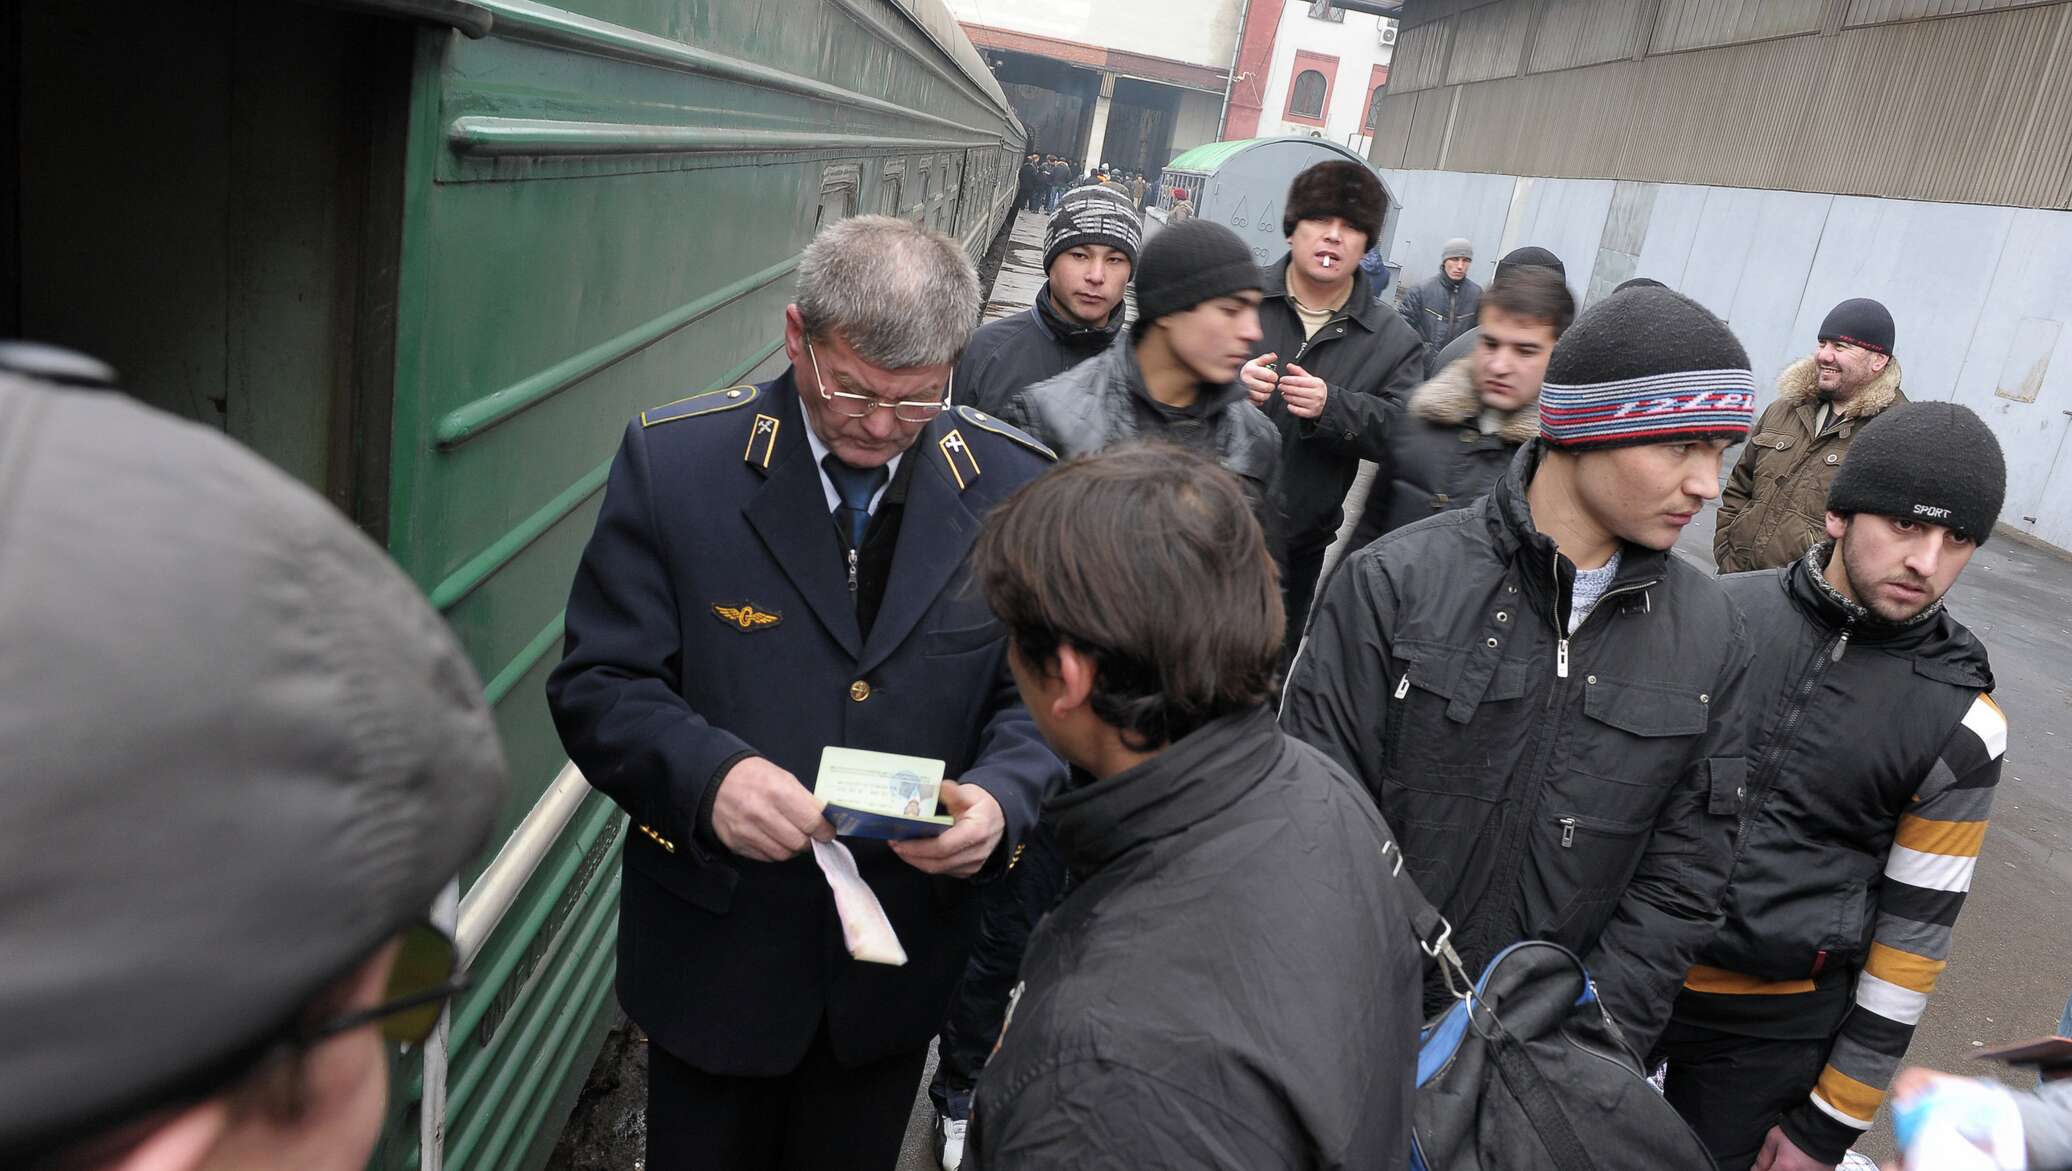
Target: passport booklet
<point>880,794</point>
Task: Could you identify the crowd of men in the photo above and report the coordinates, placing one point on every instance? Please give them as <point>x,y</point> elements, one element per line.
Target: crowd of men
<point>1045,179</point>
<point>1226,621</point>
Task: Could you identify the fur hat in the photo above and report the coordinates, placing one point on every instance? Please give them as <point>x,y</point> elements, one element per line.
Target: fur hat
<point>1350,191</point>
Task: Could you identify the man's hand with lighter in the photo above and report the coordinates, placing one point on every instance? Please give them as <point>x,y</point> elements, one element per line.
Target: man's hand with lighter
<point>1259,378</point>
<point>1304,393</point>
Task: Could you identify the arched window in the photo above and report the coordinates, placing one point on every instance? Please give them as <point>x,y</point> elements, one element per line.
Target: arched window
<point>1374,110</point>
<point>1307,99</point>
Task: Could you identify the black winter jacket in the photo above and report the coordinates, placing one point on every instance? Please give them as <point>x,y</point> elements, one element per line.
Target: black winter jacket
<point>1578,787</point>
<point>1441,310</point>
<point>1038,343</point>
<point>1878,736</point>
<point>1232,982</point>
<point>1371,362</point>
<point>1439,459</point>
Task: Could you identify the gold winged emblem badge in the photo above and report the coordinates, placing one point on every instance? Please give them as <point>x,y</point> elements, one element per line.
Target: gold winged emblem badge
<point>745,617</point>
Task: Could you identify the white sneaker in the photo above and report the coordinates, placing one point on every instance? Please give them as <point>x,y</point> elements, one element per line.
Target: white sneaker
<point>950,1131</point>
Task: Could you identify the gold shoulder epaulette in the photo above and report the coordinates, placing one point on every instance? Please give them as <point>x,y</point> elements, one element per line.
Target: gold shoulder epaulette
<point>705,402</point>
<point>986,422</point>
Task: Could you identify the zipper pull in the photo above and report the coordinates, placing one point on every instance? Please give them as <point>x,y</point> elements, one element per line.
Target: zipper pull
<point>1568,832</point>
<point>1841,645</point>
<point>1561,659</point>
<point>1403,687</point>
<point>852,571</point>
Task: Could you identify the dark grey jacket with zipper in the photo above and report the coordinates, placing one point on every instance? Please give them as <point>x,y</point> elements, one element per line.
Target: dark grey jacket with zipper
<point>1576,786</point>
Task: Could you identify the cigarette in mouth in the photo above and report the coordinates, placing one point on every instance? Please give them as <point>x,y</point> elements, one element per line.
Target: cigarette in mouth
<point>1329,261</point>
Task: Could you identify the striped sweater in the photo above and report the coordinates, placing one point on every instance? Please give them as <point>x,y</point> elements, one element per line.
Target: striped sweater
<point>1927,874</point>
<point>1866,807</point>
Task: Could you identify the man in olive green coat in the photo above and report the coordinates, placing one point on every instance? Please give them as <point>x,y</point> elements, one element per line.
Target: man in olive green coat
<point>1774,506</point>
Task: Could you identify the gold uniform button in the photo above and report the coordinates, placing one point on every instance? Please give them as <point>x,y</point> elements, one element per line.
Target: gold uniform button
<point>859,691</point>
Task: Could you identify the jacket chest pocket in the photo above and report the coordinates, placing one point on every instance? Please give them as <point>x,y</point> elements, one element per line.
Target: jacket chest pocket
<point>1630,750</point>
<point>1427,747</point>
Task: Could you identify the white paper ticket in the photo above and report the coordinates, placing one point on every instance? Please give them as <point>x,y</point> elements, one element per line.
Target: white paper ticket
<point>865,929</point>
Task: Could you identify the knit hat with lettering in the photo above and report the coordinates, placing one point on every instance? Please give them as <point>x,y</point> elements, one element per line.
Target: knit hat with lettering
<point>1093,215</point>
<point>1190,262</point>
<point>1859,321</point>
<point>1646,366</point>
<point>1934,462</point>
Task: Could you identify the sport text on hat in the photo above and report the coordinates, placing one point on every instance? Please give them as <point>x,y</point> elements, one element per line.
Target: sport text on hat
<point>1931,462</point>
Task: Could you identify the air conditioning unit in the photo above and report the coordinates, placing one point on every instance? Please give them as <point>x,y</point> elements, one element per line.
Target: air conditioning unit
<point>1388,32</point>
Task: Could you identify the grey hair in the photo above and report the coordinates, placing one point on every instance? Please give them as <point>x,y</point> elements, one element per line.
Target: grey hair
<point>899,294</point>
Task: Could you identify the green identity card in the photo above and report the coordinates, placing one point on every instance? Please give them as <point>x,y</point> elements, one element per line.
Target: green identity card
<point>880,794</point>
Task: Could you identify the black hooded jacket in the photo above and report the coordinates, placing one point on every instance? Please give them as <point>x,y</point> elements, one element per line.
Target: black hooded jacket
<point>1580,787</point>
<point>1019,351</point>
<point>1370,361</point>
<point>1232,983</point>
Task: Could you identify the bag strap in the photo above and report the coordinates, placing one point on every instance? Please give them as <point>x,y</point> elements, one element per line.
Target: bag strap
<point>1433,933</point>
<point>1529,1087</point>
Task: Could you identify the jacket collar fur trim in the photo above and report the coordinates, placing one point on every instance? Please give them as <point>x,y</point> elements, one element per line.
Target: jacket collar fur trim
<point>1800,385</point>
<point>1450,399</point>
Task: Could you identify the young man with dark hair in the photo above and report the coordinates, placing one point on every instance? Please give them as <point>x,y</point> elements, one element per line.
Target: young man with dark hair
<point>1774,504</point>
<point>1089,252</point>
<point>1173,375</point>
<point>244,756</point>
<point>1232,982</point>
<point>1543,700</point>
<point>1529,256</point>
<point>1333,366</point>
<point>1875,770</point>
<point>1461,429</point>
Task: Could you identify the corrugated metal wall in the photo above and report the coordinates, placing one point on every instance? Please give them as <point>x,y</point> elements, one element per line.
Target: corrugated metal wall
<point>1488,41</point>
<point>1695,24</point>
<point>1584,32</point>
<point>1971,109</point>
<point>1420,56</point>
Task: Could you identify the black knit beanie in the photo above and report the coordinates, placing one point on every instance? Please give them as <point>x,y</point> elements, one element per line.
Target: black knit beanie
<point>1093,215</point>
<point>1640,282</point>
<point>1190,262</point>
<point>1341,189</point>
<point>1859,321</point>
<point>1646,366</point>
<point>1933,462</point>
<point>1530,257</point>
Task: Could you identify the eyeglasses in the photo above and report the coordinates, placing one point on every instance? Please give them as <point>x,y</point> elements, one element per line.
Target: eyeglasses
<point>856,406</point>
<point>426,975</point>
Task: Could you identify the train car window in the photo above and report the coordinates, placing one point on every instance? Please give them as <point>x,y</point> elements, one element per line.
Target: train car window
<point>891,187</point>
<point>839,185</point>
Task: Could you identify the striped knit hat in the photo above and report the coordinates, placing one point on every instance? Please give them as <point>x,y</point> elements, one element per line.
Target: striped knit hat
<point>1093,215</point>
<point>1646,365</point>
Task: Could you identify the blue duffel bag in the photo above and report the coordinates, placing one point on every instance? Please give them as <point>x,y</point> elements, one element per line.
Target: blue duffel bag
<point>1528,1070</point>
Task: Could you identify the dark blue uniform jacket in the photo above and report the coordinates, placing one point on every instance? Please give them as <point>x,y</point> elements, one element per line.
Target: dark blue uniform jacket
<point>712,618</point>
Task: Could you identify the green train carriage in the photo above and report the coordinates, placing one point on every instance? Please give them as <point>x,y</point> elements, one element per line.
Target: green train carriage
<point>429,256</point>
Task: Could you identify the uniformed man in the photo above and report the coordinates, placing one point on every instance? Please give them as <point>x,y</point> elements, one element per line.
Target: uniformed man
<point>776,569</point>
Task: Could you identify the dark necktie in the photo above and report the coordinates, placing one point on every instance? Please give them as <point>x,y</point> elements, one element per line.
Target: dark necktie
<point>855,487</point>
